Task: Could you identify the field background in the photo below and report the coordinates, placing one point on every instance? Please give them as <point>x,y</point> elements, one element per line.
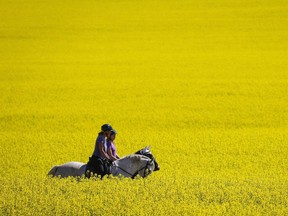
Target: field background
<point>204,82</point>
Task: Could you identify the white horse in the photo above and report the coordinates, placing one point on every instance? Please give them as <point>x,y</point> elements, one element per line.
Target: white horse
<point>128,166</point>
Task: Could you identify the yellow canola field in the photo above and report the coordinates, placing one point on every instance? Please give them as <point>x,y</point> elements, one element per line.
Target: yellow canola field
<point>204,82</point>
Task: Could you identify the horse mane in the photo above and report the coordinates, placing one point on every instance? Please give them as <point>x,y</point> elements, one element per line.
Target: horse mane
<point>132,158</point>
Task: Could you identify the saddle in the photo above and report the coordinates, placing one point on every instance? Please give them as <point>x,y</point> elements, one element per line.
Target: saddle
<point>99,166</point>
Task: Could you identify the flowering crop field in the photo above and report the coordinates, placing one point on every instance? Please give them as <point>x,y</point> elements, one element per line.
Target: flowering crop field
<point>204,82</point>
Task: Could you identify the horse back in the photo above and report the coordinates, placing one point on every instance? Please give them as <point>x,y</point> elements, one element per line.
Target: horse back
<point>68,169</point>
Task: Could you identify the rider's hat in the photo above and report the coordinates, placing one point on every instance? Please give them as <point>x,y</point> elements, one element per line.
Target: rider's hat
<point>106,127</point>
<point>113,132</point>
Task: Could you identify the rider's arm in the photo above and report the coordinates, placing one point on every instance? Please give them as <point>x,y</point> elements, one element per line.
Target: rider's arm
<point>111,155</point>
<point>102,152</point>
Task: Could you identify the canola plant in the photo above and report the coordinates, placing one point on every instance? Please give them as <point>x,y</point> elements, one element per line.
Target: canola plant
<point>203,82</point>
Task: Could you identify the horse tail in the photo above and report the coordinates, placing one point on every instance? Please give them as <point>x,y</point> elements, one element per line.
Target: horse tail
<point>53,171</point>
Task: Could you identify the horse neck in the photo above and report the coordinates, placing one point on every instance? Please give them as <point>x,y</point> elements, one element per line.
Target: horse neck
<point>130,164</point>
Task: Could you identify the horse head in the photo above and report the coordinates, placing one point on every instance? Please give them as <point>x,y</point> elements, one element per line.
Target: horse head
<point>147,169</point>
<point>146,152</point>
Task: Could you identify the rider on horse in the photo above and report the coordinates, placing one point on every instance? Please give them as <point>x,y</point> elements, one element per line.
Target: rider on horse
<point>111,148</point>
<point>99,161</point>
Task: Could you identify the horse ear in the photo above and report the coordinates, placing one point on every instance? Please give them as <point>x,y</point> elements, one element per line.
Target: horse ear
<point>143,150</point>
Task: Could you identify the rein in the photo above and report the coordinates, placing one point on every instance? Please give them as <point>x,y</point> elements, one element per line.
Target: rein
<point>135,174</point>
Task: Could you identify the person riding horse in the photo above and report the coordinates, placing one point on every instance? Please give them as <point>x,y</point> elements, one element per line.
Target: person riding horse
<point>141,163</point>
<point>99,161</point>
<point>111,148</point>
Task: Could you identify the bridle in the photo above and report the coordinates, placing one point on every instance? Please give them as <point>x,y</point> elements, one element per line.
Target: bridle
<point>135,174</point>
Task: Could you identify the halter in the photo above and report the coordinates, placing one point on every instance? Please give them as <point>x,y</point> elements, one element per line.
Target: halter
<point>135,174</point>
